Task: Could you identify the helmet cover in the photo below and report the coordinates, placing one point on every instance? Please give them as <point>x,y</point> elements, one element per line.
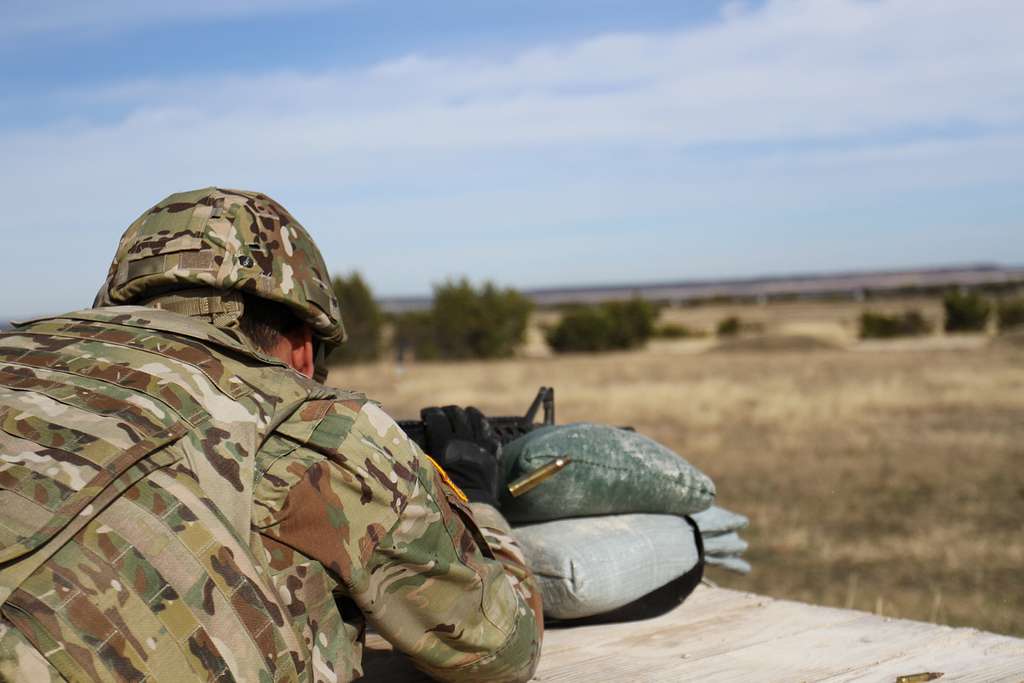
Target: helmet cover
<point>228,240</point>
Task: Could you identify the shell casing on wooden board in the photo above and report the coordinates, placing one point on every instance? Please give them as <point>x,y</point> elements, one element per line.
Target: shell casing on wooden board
<point>919,678</point>
<point>538,476</point>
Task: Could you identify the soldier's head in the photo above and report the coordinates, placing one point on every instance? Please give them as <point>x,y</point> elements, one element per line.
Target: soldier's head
<point>236,259</point>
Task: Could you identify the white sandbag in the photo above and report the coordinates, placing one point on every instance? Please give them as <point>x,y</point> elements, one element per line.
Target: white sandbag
<point>716,521</point>
<point>725,544</point>
<point>591,565</point>
<point>730,562</point>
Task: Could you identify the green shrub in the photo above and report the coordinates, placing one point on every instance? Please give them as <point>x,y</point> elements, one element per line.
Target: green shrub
<point>729,327</point>
<point>414,333</point>
<point>675,331</point>
<point>632,322</point>
<point>608,326</point>
<point>587,328</point>
<point>484,323</point>
<point>1010,313</point>
<point>363,320</point>
<point>966,312</point>
<point>882,326</point>
<point>465,322</point>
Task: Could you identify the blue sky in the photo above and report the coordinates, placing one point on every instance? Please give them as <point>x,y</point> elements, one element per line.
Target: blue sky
<point>531,143</point>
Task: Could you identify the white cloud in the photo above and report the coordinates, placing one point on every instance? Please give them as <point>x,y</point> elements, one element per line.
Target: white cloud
<point>843,98</point>
<point>795,69</point>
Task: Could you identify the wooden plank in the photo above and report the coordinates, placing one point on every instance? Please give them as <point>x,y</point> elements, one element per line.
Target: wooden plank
<point>724,635</point>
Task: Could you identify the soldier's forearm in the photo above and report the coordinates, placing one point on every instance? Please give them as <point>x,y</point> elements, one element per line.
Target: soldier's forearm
<point>506,550</point>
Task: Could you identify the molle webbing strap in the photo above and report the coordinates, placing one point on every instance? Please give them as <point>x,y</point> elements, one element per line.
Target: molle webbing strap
<point>221,308</point>
<point>20,560</point>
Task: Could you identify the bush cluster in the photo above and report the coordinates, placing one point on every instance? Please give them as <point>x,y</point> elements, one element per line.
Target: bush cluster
<point>676,331</point>
<point>1010,313</point>
<point>466,322</point>
<point>966,311</point>
<point>729,327</point>
<point>363,320</point>
<point>414,333</point>
<point>881,326</point>
<point>605,327</point>
<point>489,322</point>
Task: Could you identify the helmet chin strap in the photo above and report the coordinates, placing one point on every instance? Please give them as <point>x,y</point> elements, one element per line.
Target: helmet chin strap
<point>319,361</point>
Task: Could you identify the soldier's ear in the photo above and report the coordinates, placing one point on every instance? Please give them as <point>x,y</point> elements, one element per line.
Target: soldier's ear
<point>303,358</point>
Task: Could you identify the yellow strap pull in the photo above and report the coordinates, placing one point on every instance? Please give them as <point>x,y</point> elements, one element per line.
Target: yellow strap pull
<point>446,479</point>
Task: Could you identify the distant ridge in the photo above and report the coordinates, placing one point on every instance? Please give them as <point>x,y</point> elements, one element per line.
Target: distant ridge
<point>852,283</point>
<point>808,285</point>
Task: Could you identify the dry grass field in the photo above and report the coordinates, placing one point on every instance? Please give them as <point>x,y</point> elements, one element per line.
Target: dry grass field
<point>886,477</point>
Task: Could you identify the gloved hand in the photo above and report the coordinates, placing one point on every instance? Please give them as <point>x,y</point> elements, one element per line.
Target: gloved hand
<point>466,446</point>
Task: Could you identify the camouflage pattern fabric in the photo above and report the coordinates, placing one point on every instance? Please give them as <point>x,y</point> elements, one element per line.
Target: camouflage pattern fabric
<point>19,661</point>
<point>224,240</point>
<point>175,506</point>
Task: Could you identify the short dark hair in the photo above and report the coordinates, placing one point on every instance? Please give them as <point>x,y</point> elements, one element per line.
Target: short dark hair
<point>266,322</point>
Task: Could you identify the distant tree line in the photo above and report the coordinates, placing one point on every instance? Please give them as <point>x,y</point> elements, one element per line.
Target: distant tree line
<point>487,321</point>
<point>963,311</point>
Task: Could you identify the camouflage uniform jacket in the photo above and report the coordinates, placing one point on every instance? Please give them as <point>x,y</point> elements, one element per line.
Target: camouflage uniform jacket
<point>175,506</point>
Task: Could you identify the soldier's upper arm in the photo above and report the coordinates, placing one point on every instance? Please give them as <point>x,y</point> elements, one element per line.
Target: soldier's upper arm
<point>432,592</point>
<point>410,557</point>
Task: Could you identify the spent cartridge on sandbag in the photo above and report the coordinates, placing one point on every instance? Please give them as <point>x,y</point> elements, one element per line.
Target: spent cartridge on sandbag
<point>537,476</point>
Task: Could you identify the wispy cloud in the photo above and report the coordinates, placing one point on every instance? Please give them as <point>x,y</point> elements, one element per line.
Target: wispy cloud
<point>725,123</point>
<point>792,70</point>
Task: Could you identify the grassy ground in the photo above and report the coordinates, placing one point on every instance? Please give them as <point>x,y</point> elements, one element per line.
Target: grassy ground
<point>883,478</point>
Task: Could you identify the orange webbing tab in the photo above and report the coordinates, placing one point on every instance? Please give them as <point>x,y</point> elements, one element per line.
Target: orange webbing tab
<point>447,479</point>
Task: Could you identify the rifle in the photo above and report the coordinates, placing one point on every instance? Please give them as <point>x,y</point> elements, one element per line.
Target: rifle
<point>508,428</point>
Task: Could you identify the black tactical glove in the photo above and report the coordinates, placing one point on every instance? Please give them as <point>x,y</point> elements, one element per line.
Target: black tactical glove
<point>466,446</point>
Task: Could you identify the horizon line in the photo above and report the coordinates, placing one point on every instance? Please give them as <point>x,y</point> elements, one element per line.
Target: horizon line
<point>973,267</point>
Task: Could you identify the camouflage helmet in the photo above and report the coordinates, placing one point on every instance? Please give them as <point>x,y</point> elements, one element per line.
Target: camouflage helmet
<point>230,241</point>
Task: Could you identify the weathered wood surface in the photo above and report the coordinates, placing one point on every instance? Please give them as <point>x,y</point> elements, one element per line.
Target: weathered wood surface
<point>724,635</point>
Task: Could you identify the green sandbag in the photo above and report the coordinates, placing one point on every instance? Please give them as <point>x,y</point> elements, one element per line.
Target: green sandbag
<point>613,471</point>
